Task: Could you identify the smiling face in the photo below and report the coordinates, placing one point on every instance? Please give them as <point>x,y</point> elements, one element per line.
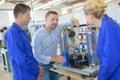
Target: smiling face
<point>52,21</point>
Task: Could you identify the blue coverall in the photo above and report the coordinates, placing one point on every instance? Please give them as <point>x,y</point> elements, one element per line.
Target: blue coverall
<point>24,65</point>
<point>108,49</point>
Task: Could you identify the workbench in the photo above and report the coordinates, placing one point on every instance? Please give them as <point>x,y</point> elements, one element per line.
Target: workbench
<point>67,73</point>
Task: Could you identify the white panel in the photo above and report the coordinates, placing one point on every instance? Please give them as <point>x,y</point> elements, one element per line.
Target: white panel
<point>4,19</point>
<point>115,14</point>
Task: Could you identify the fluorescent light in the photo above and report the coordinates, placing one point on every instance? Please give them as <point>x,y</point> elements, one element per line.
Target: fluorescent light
<point>108,0</point>
<point>2,1</point>
<point>48,4</point>
<point>58,3</point>
<point>33,2</point>
<point>46,7</point>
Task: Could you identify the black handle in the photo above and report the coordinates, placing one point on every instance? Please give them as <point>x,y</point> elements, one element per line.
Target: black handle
<point>82,25</point>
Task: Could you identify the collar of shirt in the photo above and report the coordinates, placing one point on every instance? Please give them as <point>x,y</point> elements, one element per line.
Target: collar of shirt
<point>18,27</point>
<point>44,29</point>
<point>105,18</point>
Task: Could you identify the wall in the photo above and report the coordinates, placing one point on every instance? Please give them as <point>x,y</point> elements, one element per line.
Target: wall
<point>113,10</point>
<point>115,14</point>
<point>4,19</point>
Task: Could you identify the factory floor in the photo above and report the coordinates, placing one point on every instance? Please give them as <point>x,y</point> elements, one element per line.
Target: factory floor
<point>4,75</point>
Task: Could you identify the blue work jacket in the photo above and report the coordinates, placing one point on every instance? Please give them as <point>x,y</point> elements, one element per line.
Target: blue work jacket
<point>24,65</point>
<point>108,50</point>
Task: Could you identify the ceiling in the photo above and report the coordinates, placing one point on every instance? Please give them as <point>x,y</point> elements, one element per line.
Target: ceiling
<point>40,1</point>
<point>7,5</point>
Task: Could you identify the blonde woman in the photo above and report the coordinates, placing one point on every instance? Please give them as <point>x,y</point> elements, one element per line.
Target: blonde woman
<point>108,48</point>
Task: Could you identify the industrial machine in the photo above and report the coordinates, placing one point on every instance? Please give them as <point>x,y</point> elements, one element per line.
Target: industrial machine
<point>82,58</point>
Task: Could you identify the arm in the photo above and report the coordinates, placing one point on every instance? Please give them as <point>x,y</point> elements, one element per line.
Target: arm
<point>41,73</point>
<point>61,29</point>
<point>58,59</point>
<point>41,58</point>
<point>37,49</point>
<point>72,22</point>
<point>110,59</point>
<point>96,78</point>
<point>22,56</point>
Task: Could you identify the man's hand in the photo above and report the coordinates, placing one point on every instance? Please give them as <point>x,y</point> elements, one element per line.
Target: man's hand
<point>58,59</point>
<point>41,73</point>
<point>96,78</point>
<point>74,20</point>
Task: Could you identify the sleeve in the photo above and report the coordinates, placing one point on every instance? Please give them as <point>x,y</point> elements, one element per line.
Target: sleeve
<point>25,58</point>
<point>60,43</point>
<point>110,59</point>
<point>40,57</point>
<point>63,43</point>
<point>68,24</point>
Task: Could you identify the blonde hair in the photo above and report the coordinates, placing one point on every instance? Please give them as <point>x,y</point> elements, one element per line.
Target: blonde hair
<point>95,7</point>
